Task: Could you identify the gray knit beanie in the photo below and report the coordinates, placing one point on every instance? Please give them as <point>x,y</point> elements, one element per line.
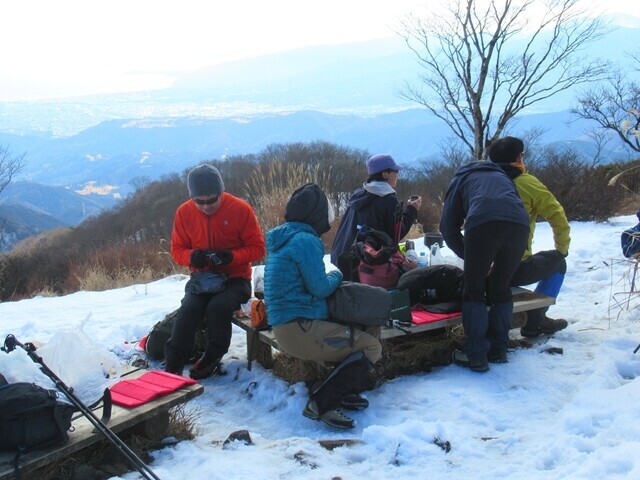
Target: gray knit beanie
<point>204,180</point>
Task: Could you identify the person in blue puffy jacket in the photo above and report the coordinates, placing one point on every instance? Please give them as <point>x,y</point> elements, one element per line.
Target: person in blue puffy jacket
<point>296,286</point>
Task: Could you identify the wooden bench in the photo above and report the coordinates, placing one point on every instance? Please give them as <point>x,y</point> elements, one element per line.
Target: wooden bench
<point>523,300</point>
<point>150,419</point>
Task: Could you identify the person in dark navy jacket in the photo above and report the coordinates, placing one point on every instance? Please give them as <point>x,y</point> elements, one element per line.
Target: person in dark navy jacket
<point>482,198</point>
<point>376,205</point>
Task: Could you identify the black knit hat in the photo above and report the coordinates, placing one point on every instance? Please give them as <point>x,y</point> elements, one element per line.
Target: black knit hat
<point>204,180</point>
<point>309,205</point>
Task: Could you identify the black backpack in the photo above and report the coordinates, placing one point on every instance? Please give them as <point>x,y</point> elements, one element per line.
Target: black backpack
<point>435,285</point>
<point>32,417</point>
<point>160,333</point>
<point>373,247</point>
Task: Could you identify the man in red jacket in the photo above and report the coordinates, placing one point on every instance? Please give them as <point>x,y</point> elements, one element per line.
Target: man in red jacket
<point>217,236</point>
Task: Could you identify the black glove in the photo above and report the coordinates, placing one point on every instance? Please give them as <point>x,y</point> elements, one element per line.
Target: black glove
<point>200,258</point>
<point>223,257</point>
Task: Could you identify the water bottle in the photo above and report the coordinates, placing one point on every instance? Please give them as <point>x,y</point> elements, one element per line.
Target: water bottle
<point>411,256</point>
<point>423,261</point>
<point>435,253</point>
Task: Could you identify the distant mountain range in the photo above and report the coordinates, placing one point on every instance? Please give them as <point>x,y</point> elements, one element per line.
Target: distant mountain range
<point>347,95</point>
<point>117,151</point>
<point>27,209</point>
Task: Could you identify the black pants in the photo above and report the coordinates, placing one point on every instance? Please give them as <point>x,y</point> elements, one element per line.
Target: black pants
<point>492,253</point>
<point>538,267</point>
<point>217,310</point>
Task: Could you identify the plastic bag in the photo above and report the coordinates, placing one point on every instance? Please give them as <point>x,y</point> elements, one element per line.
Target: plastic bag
<point>81,363</point>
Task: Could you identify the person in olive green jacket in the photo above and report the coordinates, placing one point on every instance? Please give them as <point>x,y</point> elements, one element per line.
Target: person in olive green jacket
<point>546,267</point>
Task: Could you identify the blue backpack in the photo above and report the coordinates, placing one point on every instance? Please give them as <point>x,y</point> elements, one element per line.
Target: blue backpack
<point>630,240</point>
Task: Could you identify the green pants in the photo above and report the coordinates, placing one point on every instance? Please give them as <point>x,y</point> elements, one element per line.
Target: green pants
<point>326,342</point>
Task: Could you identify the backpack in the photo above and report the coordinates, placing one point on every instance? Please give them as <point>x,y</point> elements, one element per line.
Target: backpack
<point>258,324</point>
<point>259,315</point>
<point>157,338</point>
<point>373,247</point>
<point>381,264</point>
<point>436,284</point>
<point>361,304</point>
<point>32,417</point>
<point>630,240</point>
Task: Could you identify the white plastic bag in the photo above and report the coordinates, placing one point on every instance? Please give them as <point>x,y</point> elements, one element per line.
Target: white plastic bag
<point>81,363</point>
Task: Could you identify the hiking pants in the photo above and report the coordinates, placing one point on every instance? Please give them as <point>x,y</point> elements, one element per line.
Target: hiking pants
<point>217,310</point>
<point>539,267</point>
<point>492,252</point>
<point>326,342</point>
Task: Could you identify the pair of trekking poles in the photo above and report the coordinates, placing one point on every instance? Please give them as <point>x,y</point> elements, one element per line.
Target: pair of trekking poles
<point>10,344</point>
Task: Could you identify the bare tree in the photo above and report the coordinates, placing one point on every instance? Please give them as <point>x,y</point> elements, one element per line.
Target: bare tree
<point>484,61</point>
<point>9,166</point>
<point>615,106</point>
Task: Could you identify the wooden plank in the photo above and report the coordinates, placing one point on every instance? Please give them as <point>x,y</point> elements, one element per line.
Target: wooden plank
<point>83,433</point>
<point>523,300</point>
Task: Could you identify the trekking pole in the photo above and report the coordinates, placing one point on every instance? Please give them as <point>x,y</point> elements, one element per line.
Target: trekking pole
<point>10,344</point>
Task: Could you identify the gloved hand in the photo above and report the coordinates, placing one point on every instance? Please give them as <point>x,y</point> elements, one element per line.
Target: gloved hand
<point>223,257</point>
<point>200,258</point>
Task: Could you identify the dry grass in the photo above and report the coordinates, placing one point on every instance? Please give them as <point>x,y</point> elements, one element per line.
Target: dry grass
<point>102,460</point>
<point>403,355</point>
<point>97,278</point>
<point>271,185</point>
<point>45,292</point>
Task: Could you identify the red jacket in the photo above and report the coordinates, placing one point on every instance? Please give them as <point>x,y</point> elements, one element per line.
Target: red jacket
<point>233,226</point>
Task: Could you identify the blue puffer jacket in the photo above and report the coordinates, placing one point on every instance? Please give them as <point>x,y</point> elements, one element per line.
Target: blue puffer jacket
<point>295,280</point>
<point>479,192</point>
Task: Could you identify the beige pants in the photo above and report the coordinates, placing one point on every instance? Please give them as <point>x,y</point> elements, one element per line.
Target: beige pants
<point>325,341</point>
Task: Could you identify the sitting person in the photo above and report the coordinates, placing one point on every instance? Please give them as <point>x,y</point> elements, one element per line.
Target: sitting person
<point>496,227</point>
<point>296,286</point>
<point>213,232</point>
<point>546,267</point>
<point>375,205</point>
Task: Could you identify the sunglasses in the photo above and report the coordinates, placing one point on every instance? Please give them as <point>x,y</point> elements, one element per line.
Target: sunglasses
<point>210,201</point>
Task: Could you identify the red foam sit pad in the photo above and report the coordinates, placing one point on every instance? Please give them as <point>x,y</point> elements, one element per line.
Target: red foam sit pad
<point>420,316</point>
<point>141,390</point>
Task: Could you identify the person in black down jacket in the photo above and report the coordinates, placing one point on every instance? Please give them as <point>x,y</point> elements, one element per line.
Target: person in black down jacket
<point>482,198</point>
<point>375,204</point>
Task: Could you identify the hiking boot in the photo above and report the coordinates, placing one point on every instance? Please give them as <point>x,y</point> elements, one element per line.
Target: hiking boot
<point>547,326</point>
<point>354,402</point>
<point>172,368</point>
<point>333,418</point>
<point>497,357</point>
<point>205,367</point>
<point>462,360</point>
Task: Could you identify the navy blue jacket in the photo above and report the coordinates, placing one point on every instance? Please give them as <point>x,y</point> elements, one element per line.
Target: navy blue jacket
<point>479,192</point>
<point>375,211</point>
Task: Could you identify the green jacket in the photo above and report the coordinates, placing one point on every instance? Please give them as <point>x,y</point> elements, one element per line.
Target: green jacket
<point>539,202</point>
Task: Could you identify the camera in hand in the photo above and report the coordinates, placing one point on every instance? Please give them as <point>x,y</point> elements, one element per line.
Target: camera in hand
<point>413,198</point>
<point>215,259</point>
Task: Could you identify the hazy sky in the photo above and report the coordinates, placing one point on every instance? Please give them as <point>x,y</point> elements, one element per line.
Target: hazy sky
<point>53,48</point>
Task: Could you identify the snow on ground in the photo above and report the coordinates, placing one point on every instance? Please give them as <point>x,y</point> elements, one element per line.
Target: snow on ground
<point>541,416</point>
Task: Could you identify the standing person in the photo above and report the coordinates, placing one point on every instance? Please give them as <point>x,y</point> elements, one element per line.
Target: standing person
<point>496,226</point>
<point>376,205</point>
<point>546,267</point>
<point>217,236</point>
<point>296,286</point>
